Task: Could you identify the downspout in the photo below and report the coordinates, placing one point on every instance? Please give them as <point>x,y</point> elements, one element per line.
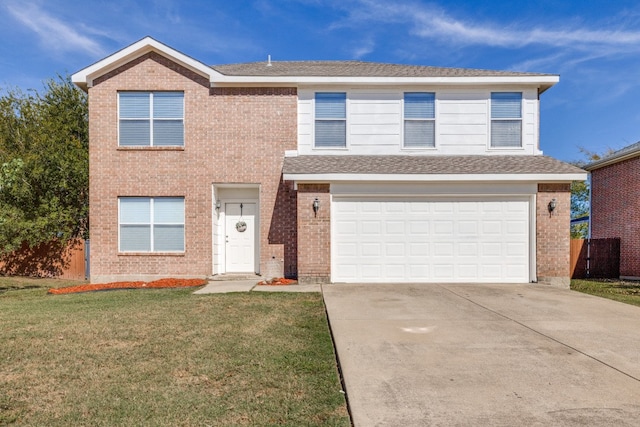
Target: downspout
<point>589,228</point>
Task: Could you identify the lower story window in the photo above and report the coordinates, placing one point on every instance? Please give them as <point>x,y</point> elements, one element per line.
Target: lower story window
<point>151,224</point>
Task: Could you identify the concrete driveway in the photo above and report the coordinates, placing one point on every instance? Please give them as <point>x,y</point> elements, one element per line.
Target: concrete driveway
<point>494,355</point>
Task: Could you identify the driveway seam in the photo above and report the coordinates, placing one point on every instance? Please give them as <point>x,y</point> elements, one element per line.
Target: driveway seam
<point>542,334</point>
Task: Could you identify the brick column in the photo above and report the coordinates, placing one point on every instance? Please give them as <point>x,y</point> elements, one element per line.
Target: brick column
<point>553,235</point>
<point>314,234</point>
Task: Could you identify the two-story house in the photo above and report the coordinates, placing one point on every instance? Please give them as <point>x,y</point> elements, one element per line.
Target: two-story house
<point>332,171</point>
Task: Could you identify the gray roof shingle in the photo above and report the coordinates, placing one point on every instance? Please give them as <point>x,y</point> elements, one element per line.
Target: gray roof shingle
<point>428,165</point>
<point>355,69</point>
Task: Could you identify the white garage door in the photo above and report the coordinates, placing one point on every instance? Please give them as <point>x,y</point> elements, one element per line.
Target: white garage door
<point>409,240</point>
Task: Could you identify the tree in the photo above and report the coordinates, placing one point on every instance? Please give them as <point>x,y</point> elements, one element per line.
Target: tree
<point>44,165</point>
<point>580,194</point>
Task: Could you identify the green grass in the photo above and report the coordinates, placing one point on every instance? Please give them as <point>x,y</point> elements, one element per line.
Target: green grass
<point>165,358</point>
<point>623,291</point>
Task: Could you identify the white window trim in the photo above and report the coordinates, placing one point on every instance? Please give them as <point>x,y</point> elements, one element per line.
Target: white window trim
<point>491,119</point>
<point>152,120</point>
<point>346,120</point>
<point>435,122</point>
<point>151,225</point>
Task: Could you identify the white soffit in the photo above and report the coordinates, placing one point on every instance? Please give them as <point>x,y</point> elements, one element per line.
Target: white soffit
<point>84,78</point>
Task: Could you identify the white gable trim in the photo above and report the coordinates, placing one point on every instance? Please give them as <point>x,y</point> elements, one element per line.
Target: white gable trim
<point>84,78</point>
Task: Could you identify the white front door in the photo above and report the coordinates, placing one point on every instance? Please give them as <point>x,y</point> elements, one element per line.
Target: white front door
<point>240,235</point>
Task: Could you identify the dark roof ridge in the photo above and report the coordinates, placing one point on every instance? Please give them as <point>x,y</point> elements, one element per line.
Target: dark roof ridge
<point>357,68</point>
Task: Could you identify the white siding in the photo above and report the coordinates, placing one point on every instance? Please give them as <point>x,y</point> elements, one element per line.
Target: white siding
<point>375,121</point>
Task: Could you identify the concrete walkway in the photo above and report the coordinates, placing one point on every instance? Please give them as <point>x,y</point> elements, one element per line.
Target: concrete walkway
<point>499,355</point>
<point>226,286</point>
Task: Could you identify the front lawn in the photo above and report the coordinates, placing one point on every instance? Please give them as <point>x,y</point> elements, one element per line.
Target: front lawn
<point>165,357</point>
<point>623,291</point>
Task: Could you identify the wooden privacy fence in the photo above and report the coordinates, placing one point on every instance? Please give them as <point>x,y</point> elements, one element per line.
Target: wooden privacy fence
<point>48,260</point>
<point>595,258</point>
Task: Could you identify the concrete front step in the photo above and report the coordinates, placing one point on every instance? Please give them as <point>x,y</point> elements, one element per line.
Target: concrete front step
<point>233,277</point>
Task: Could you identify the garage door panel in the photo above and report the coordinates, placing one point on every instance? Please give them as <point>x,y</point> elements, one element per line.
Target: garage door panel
<point>441,249</point>
<point>394,249</point>
<point>371,271</point>
<point>516,249</point>
<point>429,241</point>
<point>418,249</point>
<point>419,226</point>
<point>345,250</point>
<point>418,208</point>
<point>371,249</point>
<point>468,271</point>
<point>468,227</point>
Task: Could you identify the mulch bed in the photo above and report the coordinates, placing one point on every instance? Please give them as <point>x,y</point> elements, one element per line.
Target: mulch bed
<point>162,283</point>
<point>278,282</point>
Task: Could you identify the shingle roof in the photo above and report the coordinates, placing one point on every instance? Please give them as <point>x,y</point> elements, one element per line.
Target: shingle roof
<point>355,69</point>
<point>632,150</point>
<point>427,165</point>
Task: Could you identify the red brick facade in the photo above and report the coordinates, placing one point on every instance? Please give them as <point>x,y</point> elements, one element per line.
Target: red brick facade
<point>247,150</point>
<point>615,210</point>
<point>314,234</point>
<point>234,136</point>
<point>552,234</point>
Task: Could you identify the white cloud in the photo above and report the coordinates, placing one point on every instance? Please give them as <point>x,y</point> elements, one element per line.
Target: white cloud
<point>434,23</point>
<point>54,33</point>
<point>365,48</point>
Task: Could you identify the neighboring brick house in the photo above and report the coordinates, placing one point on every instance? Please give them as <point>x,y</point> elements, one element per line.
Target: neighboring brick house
<point>340,171</point>
<point>615,204</point>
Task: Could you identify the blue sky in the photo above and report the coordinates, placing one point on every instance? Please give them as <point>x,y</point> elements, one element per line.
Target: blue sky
<point>593,45</point>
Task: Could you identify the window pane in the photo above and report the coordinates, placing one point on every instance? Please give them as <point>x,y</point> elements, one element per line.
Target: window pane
<point>506,105</point>
<point>134,105</point>
<point>331,133</point>
<point>168,105</point>
<point>168,238</point>
<point>135,238</point>
<point>331,105</point>
<point>419,105</point>
<point>168,133</point>
<point>134,133</point>
<point>506,133</point>
<point>168,210</point>
<point>419,133</point>
<point>135,210</point>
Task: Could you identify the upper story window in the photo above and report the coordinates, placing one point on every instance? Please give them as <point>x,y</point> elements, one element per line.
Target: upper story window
<point>419,120</point>
<point>331,120</point>
<point>151,224</point>
<point>506,119</point>
<point>151,119</point>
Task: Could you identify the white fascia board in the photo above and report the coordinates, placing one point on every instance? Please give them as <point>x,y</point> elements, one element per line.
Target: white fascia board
<point>84,78</point>
<point>544,81</point>
<point>337,177</point>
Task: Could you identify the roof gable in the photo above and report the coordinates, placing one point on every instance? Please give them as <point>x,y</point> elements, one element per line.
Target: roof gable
<point>85,77</point>
<point>292,73</point>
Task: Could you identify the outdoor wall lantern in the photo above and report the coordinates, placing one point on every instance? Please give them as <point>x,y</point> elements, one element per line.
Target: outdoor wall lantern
<point>218,205</point>
<point>552,206</point>
<point>316,206</point>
